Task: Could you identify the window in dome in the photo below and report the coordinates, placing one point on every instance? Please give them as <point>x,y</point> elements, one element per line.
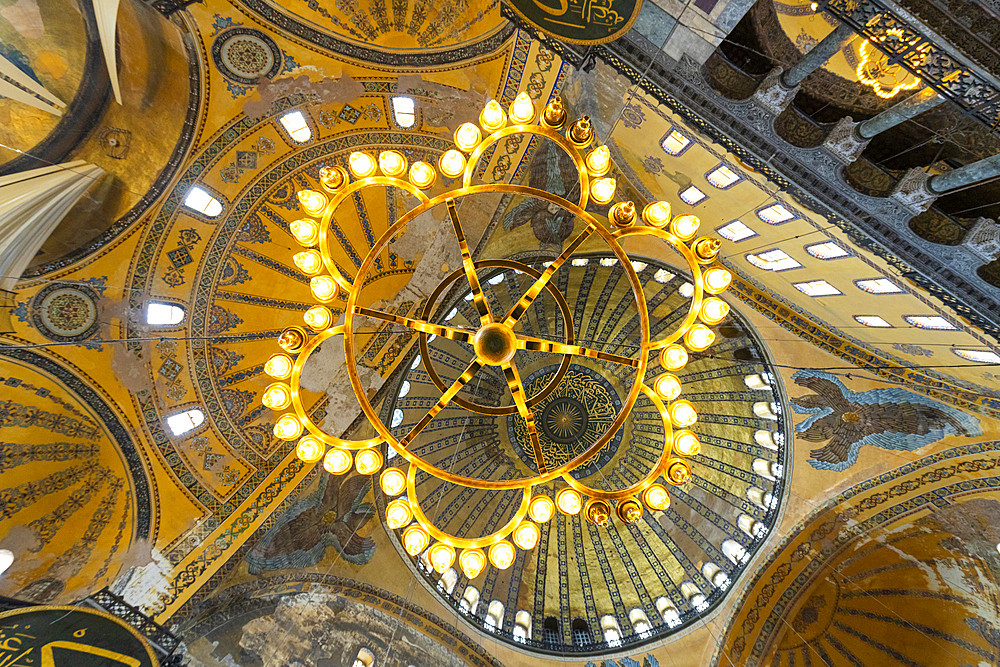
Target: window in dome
<point>639,266</point>
<point>723,177</point>
<point>580,261</point>
<point>608,261</point>
<point>668,611</point>
<point>663,276</point>
<point>757,381</point>
<point>496,280</point>
<point>817,288</point>
<point>734,551</point>
<point>365,659</point>
<point>425,561</point>
<point>715,575</point>
<point>200,201</point>
<point>750,525</point>
<point>827,250</point>
<point>736,231</point>
<point>978,356</point>
<point>6,559</point>
<point>494,616</point>
<point>404,389</point>
<point>773,260</point>
<point>416,362</point>
<point>692,195</point>
<point>611,631</point>
<point>766,410</point>
<point>448,580</point>
<point>686,290</point>
<point>760,497</point>
<point>404,111</point>
<point>775,214</point>
<point>765,469</point>
<point>295,124</point>
<point>522,626</point>
<point>766,439</point>
<point>694,595</point>
<point>186,421</point>
<point>872,321</point>
<point>163,314</point>
<point>878,286</point>
<point>581,633</point>
<point>675,143</point>
<point>397,418</point>
<point>550,630</point>
<point>640,622</point>
<point>930,322</point>
<point>470,600</point>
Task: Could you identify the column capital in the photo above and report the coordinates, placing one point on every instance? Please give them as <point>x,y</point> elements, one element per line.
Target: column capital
<point>912,191</point>
<point>772,94</point>
<point>983,240</point>
<point>843,141</point>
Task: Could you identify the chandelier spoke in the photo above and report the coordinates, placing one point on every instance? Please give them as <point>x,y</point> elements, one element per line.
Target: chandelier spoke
<point>517,391</point>
<point>443,402</point>
<point>539,345</point>
<point>485,317</point>
<point>453,333</point>
<point>529,297</point>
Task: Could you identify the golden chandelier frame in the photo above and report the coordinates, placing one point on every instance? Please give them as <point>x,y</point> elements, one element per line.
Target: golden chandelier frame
<point>496,341</point>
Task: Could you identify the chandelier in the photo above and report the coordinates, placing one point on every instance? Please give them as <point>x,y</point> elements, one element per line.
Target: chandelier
<point>885,75</point>
<point>497,340</point>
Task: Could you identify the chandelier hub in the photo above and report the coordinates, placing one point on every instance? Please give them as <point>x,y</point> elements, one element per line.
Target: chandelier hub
<point>495,344</point>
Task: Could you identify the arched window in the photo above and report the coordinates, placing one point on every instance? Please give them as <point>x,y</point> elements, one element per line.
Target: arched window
<point>6,559</point>
<point>404,389</point>
<point>668,612</point>
<point>448,580</point>
<point>494,615</point>
<point>199,200</point>
<point>693,595</point>
<point>765,410</point>
<point>470,600</point>
<point>425,561</point>
<point>404,111</point>
<point>296,126</point>
<point>765,439</point>
<point>766,469</point>
<point>759,497</point>
<point>365,659</point>
<point>522,626</point>
<point>757,381</point>
<point>163,313</point>
<point>715,575</point>
<point>183,422</point>
<point>640,622</point>
<point>750,525</point>
<point>397,418</point>
<point>734,551</point>
<point>581,633</point>
<point>686,290</point>
<point>611,631</point>
<point>550,630</point>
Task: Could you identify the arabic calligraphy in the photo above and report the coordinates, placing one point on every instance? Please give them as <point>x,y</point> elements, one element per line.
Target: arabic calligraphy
<point>580,21</point>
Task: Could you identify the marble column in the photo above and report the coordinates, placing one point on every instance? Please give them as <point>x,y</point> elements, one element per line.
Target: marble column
<point>848,139</point>
<point>917,190</point>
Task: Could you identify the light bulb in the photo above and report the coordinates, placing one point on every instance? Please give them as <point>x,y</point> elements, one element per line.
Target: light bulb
<point>279,366</point>
<point>713,310</point>
<point>332,178</point>
<point>441,557</point>
<point>706,249</point>
<point>598,512</point>
<point>629,511</point>
<point>306,232</point>
<point>368,461</point>
<point>398,514</point>
<point>312,202</point>
<point>602,190</point>
<point>392,163</point>
<point>502,555</point>
<point>682,413</point>
<point>362,164</point>
<point>323,288</point>
<point>673,357</point>
<point>541,508</point>
<point>522,110</point>
<point>622,214</point>
<point>717,280</point>
<point>685,227</point>
<point>277,396</point>
<point>668,386</point>
<point>288,427</point>
<point>422,175</point>
<point>699,337</point>
<point>656,497</point>
<point>337,461</point>
<point>292,339</point>
<point>467,137</point>
<point>308,261</point>
<point>526,535</point>
<point>492,117</point>
<point>598,161</point>
<point>415,540</point>
<point>472,562</point>
<point>452,163</point>
<point>678,472</point>
<point>656,214</point>
<point>392,481</point>
<point>309,449</point>
<point>318,318</point>
<point>569,501</point>
<point>686,443</point>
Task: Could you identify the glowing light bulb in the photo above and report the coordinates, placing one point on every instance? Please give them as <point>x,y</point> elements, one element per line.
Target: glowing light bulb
<point>685,227</point>
<point>622,214</point>
<point>318,318</point>
<point>309,449</point>
<point>422,175</point>
<point>682,413</point>
<point>656,214</point>
<point>362,165</point>
<point>392,163</point>
<point>309,262</point>
<point>392,481</point>
<point>522,109</point>
<point>277,396</point>
<point>668,386</point>
<point>598,161</point>
<point>706,249</point>
<point>467,137</point>
<point>526,535</point>
<point>441,557</point>
<point>279,366</point>
<point>603,190</point>
<point>368,461</point>
<point>686,443</point>
<point>323,288</point>
<point>288,427</point>
<point>673,357</point>
<point>502,555</point>
<point>398,514</point>
<point>656,497</point>
<point>598,512</point>
<point>569,501</point>
<point>415,540</point>
<point>492,117</point>
<point>629,511</point>
<point>337,461</point>
<point>306,232</point>
<point>541,508</point>
<point>332,178</point>
<point>312,202</point>
<point>717,280</point>
<point>452,163</point>
<point>292,339</point>
<point>472,562</point>
<point>699,337</point>
<point>713,310</point>
<point>679,472</point>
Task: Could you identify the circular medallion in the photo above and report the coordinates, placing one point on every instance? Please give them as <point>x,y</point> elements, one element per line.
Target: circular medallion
<point>564,420</point>
<point>246,55</point>
<point>65,312</point>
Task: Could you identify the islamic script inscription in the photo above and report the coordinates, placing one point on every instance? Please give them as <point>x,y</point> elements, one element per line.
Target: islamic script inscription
<point>580,21</point>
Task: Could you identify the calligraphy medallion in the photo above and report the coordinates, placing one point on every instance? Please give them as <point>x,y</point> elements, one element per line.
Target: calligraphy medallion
<point>580,21</point>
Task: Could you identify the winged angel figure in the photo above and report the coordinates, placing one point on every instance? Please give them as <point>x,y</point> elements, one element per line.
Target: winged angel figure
<point>889,418</point>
